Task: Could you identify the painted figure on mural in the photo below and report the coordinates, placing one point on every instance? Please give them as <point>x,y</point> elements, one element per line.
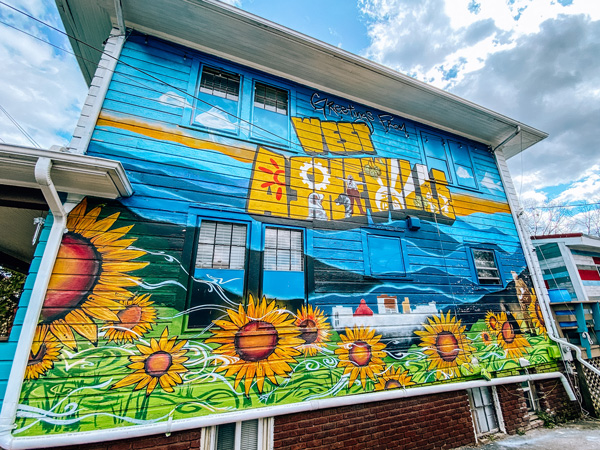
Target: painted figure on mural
<point>353,193</point>
<point>526,297</point>
<point>344,200</point>
<point>315,207</point>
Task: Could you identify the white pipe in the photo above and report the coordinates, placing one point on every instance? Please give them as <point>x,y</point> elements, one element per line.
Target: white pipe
<point>36,300</point>
<point>578,354</point>
<point>89,437</point>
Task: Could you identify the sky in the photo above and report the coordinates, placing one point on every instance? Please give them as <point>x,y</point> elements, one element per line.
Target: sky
<point>536,61</point>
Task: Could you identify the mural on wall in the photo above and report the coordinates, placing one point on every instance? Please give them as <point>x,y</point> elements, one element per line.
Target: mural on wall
<point>121,339</point>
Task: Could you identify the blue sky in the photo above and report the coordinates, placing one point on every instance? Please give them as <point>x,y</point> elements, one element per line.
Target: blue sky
<point>533,60</point>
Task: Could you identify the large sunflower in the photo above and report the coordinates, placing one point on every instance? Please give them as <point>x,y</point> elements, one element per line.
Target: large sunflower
<point>90,276</point>
<point>45,349</point>
<point>258,343</point>
<point>446,345</point>
<point>314,329</point>
<point>514,344</point>
<point>135,320</point>
<point>535,312</point>
<point>361,354</point>
<point>393,380</point>
<point>160,363</point>
<point>491,320</point>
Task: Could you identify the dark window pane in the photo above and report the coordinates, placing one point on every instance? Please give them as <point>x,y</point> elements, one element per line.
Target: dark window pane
<point>219,83</point>
<point>270,98</point>
<point>221,245</point>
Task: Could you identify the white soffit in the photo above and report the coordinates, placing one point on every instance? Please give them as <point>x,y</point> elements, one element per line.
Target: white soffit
<point>231,33</point>
<point>70,173</point>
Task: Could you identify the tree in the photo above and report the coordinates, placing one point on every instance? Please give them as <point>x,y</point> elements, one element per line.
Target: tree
<point>11,286</point>
<point>587,218</point>
<point>542,219</point>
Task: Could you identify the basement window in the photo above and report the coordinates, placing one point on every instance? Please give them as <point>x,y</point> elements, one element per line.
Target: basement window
<point>483,410</point>
<point>254,434</point>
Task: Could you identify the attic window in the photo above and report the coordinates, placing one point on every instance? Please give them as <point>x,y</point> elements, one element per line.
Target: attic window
<point>270,98</point>
<point>219,83</point>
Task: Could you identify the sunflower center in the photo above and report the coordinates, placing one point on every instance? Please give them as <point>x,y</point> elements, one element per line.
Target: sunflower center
<point>256,340</point>
<point>158,363</point>
<point>76,271</point>
<point>508,333</point>
<point>360,353</point>
<point>308,331</point>
<point>447,346</point>
<point>392,384</point>
<point>130,316</point>
<point>38,357</point>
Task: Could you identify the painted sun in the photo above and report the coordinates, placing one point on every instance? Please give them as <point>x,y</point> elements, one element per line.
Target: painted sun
<point>135,319</point>
<point>258,342</point>
<point>314,330</point>
<point>45,349</point>
<point>160,363</point>
<point>393,379</point>
<point>446,345</point>
<point>360,354</point>
<point>513,343</point>
<point>90,276</point>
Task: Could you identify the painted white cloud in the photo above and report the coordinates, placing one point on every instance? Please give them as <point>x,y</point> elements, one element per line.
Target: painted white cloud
<point>462,173</point>
<point>215,118</point>
<point>489,183</point>
<point>172,99</point>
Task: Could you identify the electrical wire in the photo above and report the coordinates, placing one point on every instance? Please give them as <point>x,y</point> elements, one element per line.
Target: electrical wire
<point>19,127</point>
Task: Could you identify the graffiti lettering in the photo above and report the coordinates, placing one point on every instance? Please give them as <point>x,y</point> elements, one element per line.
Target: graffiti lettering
<point>388,123</point>
<point>343,188</point>
<point>328,107</point>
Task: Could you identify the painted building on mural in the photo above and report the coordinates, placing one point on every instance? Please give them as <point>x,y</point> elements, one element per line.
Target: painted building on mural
<point>289,242</point>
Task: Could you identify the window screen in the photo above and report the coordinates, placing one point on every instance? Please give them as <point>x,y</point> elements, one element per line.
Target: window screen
<point>486,267</point>
<point>219,83</point>
<point>284,250</point>
<point>221,245</point>
<point>270,98</point>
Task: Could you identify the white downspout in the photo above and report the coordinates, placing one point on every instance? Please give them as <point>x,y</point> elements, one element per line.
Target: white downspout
<point>38,294</point>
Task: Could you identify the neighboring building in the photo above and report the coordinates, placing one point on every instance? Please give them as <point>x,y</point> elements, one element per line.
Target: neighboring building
<point>311,238</point>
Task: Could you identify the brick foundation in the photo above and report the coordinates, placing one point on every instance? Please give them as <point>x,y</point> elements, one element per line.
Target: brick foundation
<point>514,407</point>
<point>182,440</point>
<point>432,422</point>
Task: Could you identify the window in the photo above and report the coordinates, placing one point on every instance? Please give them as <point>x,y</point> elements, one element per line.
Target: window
<point>483,410</point>
<point>283,275</point>
<point>486,267</point>
<point>217,105</point>
<point>270,98</point>
<point>270,113</point>
<point>219,83</point>
<point>219,269</point>
<point>531,397</point>
<point>221,245</point>
<point>465,174</point>
<point>254,434</point>
<point>283,250</point>
<point>436,154</point>
<point>384,254</point>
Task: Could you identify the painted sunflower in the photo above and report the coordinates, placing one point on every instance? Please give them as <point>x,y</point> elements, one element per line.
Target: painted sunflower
<point>491,320</point>
<point>45,349</point>
<point>160,363</point>
<point>135,319</point>
<point>486,337</point>
<point>258,342</point>
<point>90,276</point>
<point>314,330</point>
<point>393,380</point>
<point>514,344</point>
<point>361,354</point>
<point>535,312</point>
<point>446,345</point>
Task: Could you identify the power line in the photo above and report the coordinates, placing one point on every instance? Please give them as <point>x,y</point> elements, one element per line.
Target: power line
<point>19,127</point>
<point>561,206</point>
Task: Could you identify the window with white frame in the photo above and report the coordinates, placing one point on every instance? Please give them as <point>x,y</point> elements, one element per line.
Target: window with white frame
<point>284,250</point>
<point>254,434</point>
<point>217,105</point>
<point>486,266</point>
<point>221,245</point>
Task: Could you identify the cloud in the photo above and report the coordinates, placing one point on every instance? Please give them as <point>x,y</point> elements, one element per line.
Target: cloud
<point>215,118</point>
<point>42,87</point>
<point>587,187</point>
<point>173,99</point>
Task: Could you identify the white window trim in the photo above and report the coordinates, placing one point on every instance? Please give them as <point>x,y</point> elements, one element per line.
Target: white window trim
<point>208,437</point>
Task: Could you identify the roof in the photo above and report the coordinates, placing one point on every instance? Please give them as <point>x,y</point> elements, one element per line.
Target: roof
<point>575,241</point>
<point>228,32</point>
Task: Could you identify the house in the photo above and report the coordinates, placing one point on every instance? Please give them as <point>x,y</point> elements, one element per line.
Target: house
<point>315,251</point>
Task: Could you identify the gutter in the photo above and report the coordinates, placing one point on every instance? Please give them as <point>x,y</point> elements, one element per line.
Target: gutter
<point>170,426</point>
<point>38,294</point>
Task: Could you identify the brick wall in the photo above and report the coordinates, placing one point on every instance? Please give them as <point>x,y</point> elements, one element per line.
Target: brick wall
<point>514,407</point>
<point>554,399</point>
<point>433,422</point>
<point>182,440</point>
